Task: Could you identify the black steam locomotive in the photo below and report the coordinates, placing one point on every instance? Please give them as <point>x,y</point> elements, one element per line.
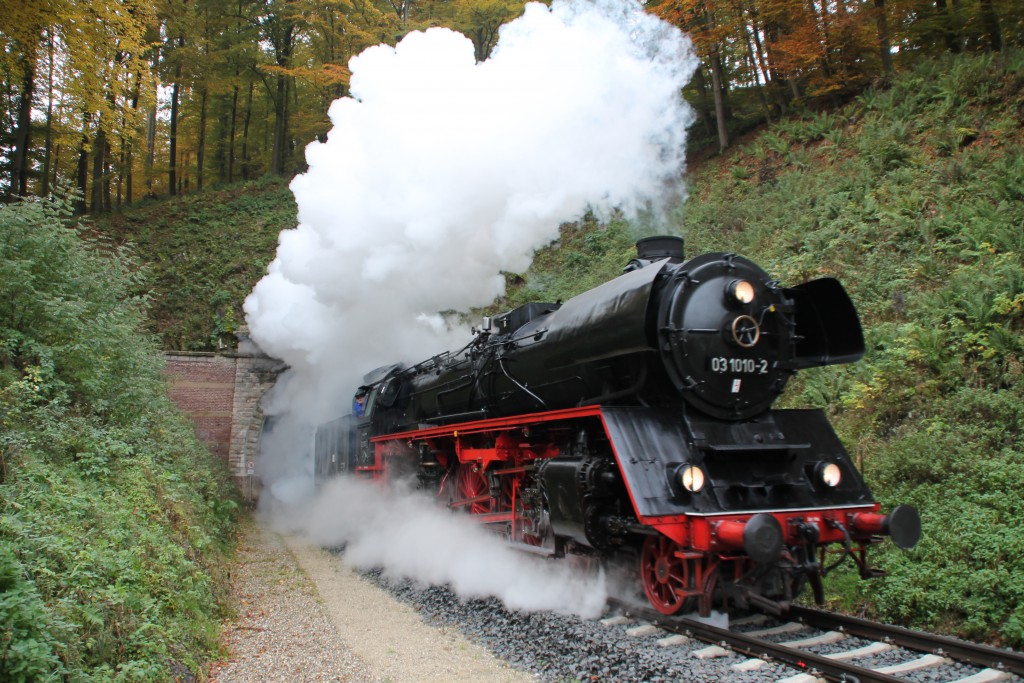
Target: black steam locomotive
<point>633,424</point>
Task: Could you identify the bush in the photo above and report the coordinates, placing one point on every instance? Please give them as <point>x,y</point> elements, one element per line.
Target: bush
<point>113,518</point>
<point>962,466</point>
<point>28,648</point>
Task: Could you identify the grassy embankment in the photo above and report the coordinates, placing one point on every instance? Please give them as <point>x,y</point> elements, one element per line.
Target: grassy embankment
<point>205,252</point>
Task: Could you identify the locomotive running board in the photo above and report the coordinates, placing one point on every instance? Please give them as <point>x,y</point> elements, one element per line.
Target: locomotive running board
<point>489,424</point>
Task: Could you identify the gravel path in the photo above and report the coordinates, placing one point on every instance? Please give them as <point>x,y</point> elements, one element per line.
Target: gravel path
<point>302,615</point>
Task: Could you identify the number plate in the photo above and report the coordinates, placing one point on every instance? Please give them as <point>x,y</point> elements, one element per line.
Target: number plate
<point>724,365</point>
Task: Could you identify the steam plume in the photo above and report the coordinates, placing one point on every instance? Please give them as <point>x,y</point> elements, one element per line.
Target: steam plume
<point>411,537</point>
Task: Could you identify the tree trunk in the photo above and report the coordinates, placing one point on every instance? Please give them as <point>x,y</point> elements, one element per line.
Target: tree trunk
<point>83,168</point>
<point>716,87</point>
<point>949,32</point>
<point>267,133</point>
<point>172,171</point>
<point>770,82</point>
<point>201,143</point>
<point>283,57</point>
<point>245,134</point>
<point>150,160</point>
<point>231,135</point>
<point>280,124</point>
<point>401,9</point>
<point>778,79</point>
<point>990,20</point>
<point>99,146</point>
<point>175,97</point>
<point>107,203</point>
<point>220,156</point>
<point>723,85</point>
<point>55,164</point>
<point>120,177</point>
<point>151,151</point>
<point>822,20</point>
<point>704,107</point>
<point>44,190</point>
<point>884,45</point>
<point>755,69</point>
<point>22,134</point>
<point>129,152</point>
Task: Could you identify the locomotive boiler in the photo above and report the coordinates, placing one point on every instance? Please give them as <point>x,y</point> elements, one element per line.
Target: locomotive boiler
<point>633,424</point>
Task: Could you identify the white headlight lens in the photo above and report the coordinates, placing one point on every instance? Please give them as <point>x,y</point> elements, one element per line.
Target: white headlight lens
<point>830,474</point>
<point>742,291</point>
<point>692,478</point>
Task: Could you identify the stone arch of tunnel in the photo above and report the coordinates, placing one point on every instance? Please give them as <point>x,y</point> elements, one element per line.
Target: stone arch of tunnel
<point>222,394</point>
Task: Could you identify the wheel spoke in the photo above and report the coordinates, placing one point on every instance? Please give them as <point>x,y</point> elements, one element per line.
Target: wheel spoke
<point>471,483</point>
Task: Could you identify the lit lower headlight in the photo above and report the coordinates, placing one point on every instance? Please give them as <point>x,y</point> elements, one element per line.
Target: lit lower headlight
<point>691,478</point>
<point>829,474</point>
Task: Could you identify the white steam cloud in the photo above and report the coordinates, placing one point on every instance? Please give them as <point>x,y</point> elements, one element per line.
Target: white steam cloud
<point>412,538</point>
<point>439,173</point>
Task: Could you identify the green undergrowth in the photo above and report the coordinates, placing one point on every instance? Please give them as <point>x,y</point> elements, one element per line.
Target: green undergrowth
<point>914,198</point>
<point>114,520</point>
<point>205,252</point>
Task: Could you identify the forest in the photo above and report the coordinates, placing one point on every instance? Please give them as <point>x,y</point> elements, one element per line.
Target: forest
<point>128,99</point>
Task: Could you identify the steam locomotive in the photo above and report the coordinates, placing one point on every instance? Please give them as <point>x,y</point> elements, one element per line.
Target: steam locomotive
<point>633,424</point>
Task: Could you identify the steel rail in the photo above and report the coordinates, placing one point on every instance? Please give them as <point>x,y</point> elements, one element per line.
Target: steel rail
<point>973,653</point>
<point>806,662</point>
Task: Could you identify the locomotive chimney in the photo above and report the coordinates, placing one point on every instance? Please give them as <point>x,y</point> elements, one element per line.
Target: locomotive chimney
<point>650,249</point>
<point>659,247</point>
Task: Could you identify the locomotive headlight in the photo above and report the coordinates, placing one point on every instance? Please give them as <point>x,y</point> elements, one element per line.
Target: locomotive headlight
<point>829,474</point>
<point>691,478</point>
<point>740,291</point>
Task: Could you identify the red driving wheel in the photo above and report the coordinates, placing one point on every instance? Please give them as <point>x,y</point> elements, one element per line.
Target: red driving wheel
<point>666,577</point>
<point>470,483</point>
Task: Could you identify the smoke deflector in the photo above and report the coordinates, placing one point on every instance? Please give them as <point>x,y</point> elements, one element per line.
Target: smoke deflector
<point>827,325</point>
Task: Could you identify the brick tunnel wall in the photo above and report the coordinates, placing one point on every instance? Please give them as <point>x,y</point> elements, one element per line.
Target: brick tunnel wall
<point>221,393</point>
<point>203,387</point>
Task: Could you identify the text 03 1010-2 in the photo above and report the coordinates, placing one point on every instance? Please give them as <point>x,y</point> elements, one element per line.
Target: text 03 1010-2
<point>743,366</point>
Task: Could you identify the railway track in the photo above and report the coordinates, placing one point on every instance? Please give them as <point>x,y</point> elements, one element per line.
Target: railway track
<point>923,651</point>
<point>634,643</point>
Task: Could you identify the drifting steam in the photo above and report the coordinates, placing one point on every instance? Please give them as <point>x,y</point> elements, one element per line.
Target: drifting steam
<point>411,537</point>
<point>439,174</point>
